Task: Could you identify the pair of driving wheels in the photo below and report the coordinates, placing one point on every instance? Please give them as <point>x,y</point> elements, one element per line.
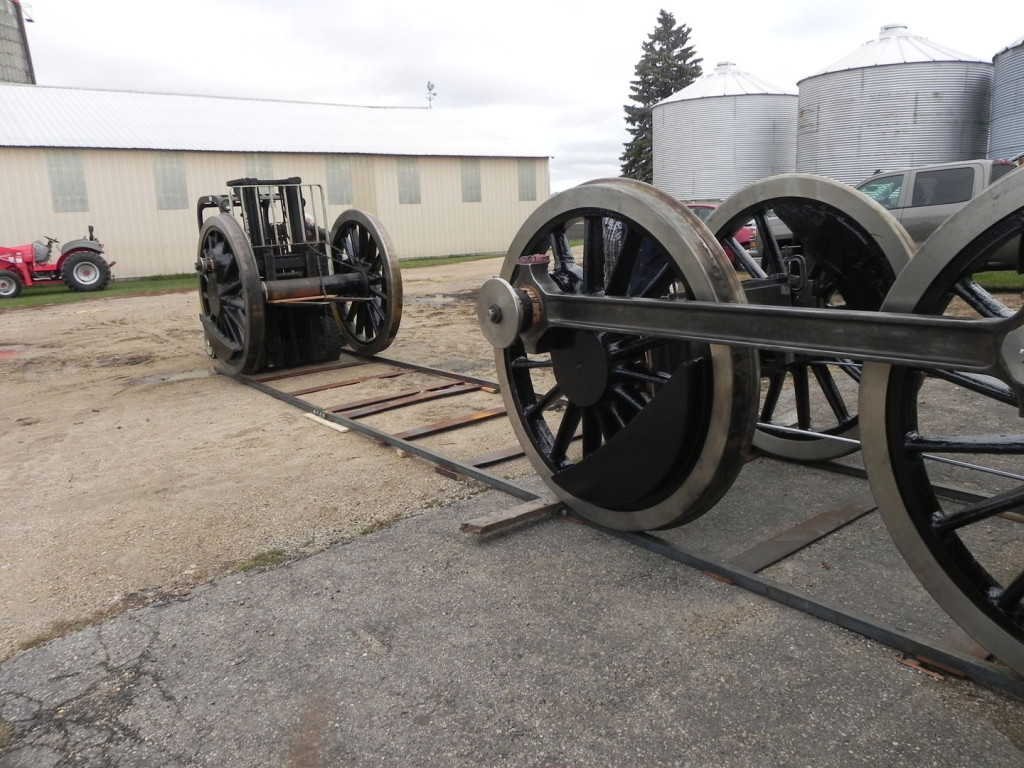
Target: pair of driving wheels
<point>661,435</point>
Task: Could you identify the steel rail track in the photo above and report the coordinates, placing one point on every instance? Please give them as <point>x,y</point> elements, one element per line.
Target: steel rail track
<point>942,657</point>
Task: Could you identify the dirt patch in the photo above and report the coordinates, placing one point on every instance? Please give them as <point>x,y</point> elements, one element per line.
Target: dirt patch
<point>132,471</point>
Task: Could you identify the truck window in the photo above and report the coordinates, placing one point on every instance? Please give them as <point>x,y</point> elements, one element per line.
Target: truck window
<point>885,190</point>
<point>949,185</point>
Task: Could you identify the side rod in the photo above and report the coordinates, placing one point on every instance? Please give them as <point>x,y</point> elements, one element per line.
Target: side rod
<point>993,346</point>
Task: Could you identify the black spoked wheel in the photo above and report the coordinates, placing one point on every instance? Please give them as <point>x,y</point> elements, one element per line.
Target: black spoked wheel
<point>633,432</point>
<point>232,308</point>
<point>834,248</point>
<point>925,430</point>
<point>361,245</point>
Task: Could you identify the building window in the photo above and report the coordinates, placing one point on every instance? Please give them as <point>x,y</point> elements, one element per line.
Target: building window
<point>169,177</point>
<point>409,180</point>
<point>527,179</point>
<point>67,181</point>
<point>339,180</point>
<point>471,180</point>
<point>259,166</point>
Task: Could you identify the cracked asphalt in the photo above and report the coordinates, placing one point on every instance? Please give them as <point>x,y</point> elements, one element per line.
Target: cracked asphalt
<point>549,645</point>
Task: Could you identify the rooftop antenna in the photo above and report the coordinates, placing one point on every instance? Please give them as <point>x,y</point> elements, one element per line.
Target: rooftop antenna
<point>430,94</point>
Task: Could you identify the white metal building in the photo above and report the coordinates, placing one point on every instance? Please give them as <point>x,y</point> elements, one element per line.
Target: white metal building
<point>134,164</point>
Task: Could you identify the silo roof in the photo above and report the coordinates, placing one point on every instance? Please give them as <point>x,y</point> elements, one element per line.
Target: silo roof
<point>1012,45</point>
<point>726,80</point>
<point>43,116</point>
<point>895,45</point>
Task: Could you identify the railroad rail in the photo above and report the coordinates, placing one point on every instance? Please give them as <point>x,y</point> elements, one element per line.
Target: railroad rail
<point>953,655</point>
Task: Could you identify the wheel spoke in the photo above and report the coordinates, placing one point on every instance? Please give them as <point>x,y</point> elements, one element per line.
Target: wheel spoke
<point>998,445</point>
<point>593,255</point>
<point>802,396</point>
<point>986,386</point>
<point>617,283</point>
<point>835,400</point>
<point>776,383</point>
<point>1007,501</point>
<point>542,404</point>
<point>591,431</point>
<point>566,432</point>
<point>983,302</point>
<point>1012,595</point>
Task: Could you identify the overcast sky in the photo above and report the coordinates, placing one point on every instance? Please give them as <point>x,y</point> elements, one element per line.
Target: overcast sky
<point>552,73</point>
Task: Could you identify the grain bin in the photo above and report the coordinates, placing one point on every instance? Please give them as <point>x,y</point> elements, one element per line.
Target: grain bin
<point>1006,138</point>
<point>722,132</point>
<point>897,101</point>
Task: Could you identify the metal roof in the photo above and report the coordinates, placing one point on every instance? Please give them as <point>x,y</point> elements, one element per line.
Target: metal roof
<point>41,116</point>
<point>726,80</point>
<point>895,45</point>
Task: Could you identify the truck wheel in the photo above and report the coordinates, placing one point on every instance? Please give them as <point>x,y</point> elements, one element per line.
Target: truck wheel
<point>10,284</point>
<point>86,271</point>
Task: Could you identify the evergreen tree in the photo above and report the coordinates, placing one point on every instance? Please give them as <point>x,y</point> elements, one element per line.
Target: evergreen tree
<point>668,65</point>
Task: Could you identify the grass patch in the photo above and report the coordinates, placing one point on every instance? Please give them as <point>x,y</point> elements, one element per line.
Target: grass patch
<point>58,293</point>
<point>433,262</point>
<point>266,559</point>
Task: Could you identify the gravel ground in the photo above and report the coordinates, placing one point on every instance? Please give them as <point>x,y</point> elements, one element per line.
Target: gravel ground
<point>132,470</point>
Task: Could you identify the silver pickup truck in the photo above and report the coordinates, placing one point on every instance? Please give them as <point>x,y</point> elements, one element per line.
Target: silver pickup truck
<point>924,197</point>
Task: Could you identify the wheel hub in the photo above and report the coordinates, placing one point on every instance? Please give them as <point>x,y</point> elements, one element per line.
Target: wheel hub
<point>581,368</point>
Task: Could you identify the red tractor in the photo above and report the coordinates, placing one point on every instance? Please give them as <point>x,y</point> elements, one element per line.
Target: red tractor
<point>81,265</point>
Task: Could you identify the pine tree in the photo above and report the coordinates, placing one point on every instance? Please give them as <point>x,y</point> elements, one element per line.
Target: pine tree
<point>667,66</point>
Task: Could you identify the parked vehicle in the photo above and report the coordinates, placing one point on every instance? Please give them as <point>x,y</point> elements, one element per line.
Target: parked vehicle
<point>81,265</point>
<point>745,235</point>
<point>924,197</point>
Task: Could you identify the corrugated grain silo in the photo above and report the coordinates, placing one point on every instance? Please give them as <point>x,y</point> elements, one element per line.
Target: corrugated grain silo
<point>897,101</point>
<point>722,132</point>
<point>1006,136</point>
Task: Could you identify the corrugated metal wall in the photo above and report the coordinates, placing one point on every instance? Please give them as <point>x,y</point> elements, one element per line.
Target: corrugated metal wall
<point>856,121</point>
<point>708,148</point>
<point>1006,136</point>
<point>15,57</point>
<point>122,195</point>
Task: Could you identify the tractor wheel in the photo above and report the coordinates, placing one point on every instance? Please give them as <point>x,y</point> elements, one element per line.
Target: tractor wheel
<point>85,271</point>
<point>10,284</point>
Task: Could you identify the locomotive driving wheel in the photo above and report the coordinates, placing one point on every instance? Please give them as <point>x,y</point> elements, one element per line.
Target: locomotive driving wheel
<point>834,248</point>
<point>927,429</point>
<point>230,296</point>
<point>361,245</point>
<point>633,432</point>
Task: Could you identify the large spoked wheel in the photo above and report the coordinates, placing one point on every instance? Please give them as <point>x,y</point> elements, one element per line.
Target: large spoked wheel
<point>632,432</point>
<point>968,554</point>
<point>835,248</point>
<point>233,311</point>
<point>361,245</point>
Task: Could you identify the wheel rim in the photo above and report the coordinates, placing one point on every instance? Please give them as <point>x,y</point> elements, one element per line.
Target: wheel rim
<point>86,273</point>
<point>970,560</point>
<point>361,245</point>
<point>851,250</point>
<point>231,296</point>
<point>7,286</point>
<point>663,425</point>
